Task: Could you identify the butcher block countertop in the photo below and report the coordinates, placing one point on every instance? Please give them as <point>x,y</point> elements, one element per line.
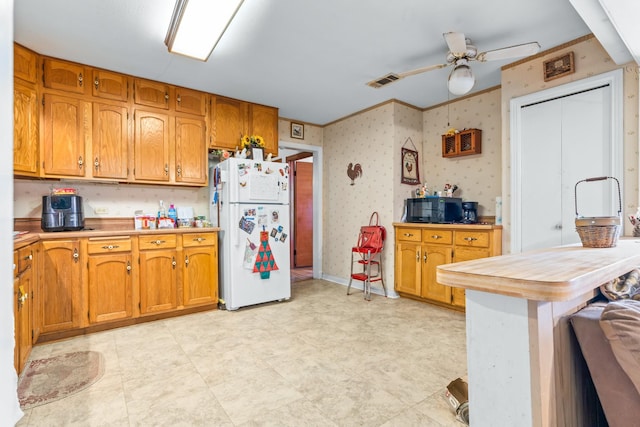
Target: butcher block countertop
<point>553,274</point>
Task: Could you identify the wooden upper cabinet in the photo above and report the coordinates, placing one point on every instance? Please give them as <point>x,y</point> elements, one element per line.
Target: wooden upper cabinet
<point>25,130</point>
<point>25,63</point>
<point>263,121</point>
<point>190,101</point>
<point>110,141</point>
<point>65,76</point>
<point>109,85</point>
<point>191,151</point>
<point>66,127</point>
<point>228,122</point>
<point>151,146</point>
<point>151,94</point>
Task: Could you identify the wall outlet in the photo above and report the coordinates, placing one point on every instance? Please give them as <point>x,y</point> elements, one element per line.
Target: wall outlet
<point>101,211</point>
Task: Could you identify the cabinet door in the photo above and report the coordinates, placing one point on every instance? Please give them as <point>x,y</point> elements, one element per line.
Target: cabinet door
<point>191,151</point>
<point>151,146</point>
<point>110,141</point>
<point>60,298</point>
<point>465,254</point>
<point>433,256</point>
<point>200,276</point>
<point>24,63</point>
<point>64,75</point>
<point>228,122</point>
<point>25,287</point>
<point>408,268</point>
<point>25,130</point>
<point>158,281</point>
<point>152,94</point>
<point>190,101</point>
<point>109,85</point>
<point>16,317</point>
<point>110,287</point>
<point>66,125</point>
<point>263,121</point>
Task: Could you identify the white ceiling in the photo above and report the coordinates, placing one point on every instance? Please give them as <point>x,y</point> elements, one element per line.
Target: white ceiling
<point>309,58</point>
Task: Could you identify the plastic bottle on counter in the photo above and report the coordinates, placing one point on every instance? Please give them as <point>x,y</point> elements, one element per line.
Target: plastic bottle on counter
<point>173,215</point>
<point>162,212</point>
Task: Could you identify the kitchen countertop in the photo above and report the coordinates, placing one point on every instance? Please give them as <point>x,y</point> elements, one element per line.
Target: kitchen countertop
<point>31,237</point>
<point>552,274</point>
<point>479,226</point>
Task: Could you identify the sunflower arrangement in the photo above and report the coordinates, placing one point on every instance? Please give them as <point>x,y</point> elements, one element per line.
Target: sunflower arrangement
<point>252,141</point>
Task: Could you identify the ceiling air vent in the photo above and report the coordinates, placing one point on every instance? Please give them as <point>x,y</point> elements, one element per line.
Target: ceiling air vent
<point>389,78</point>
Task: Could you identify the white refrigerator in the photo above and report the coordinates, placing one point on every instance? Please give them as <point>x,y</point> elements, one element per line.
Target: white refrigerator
<point>251,200</point>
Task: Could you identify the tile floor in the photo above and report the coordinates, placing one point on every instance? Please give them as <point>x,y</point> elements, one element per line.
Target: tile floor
<point>321,359</point>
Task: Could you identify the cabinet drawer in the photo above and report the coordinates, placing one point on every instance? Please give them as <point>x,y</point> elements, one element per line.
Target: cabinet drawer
<point>157,241</point>
<point>408,234</point>
<point>109,245</point>
<point>198,239</point>
<point>444,237</point>
<point>477,239</point>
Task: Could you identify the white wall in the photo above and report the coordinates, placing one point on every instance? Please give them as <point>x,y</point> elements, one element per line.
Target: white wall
<point>9,407</point>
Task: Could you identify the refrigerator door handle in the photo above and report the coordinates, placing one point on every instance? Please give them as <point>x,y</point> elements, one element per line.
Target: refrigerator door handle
<point>235,216</point>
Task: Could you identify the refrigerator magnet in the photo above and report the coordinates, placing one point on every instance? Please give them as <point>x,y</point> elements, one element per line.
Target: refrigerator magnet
<point>246,225</point>
<point>274,232</point>
<point>262,219</point>
<point>283,238</point>
<point>275,216</point>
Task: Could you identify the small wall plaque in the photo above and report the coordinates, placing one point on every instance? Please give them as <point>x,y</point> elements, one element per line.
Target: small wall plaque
<point>559,67</point>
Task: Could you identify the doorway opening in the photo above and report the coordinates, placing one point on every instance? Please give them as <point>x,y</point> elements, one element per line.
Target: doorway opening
<point>305,165</point>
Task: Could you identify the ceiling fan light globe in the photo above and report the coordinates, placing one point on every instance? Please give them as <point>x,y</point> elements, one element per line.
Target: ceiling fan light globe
<point>461,80</point>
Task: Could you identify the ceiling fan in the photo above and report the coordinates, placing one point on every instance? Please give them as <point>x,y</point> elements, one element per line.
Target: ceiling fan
<point>461,52</point>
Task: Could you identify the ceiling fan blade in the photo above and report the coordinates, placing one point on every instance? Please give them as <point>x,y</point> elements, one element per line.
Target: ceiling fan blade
<point>525,49</point>
<point>421,70</point>
<point>457,43</point>
<point>392,77</point>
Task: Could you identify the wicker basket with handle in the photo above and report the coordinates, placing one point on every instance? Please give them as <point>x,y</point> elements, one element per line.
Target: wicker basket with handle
<point>598,231</point>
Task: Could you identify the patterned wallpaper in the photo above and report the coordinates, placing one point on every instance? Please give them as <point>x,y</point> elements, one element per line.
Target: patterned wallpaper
<point>590,59</point>
<point>478,176</point>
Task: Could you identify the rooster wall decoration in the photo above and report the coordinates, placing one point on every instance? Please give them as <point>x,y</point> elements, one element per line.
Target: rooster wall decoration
<point>354,172</point>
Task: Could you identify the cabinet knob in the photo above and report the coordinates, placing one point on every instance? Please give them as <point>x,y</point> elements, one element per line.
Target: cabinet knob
<point>417,256</point>
<point>173,262</point>
<point>199,239</point>
<point>179,99</point>
<point>128,267</point>
<point>166,96</point>
<point>179,170</point>
<point>28,257</point>
<point>80,79</point>
<point>96,163</point>
<point>425,257</point>
<point>166,169</point>
<point>110,247</point>
<point>436,237</point>
<point>80,162</point>
<point>96,83</point>
<point>76,255</point>
<point>186,260</point>
<point>470,239</point>
<point>408,234</point>
<point>157,242</point>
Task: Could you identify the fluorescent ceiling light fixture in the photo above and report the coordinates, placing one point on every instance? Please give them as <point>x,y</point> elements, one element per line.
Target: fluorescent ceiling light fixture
<point>197,26</point>
<point>461,79</point>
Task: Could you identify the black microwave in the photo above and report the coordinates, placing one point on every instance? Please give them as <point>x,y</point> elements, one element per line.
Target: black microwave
<point>434,209</point>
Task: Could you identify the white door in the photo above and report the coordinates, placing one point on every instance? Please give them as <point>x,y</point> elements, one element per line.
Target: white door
<point>559,141</point>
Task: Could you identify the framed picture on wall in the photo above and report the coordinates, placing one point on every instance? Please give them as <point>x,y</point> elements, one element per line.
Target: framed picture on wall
<point>558,67</point>
<point>297,130</point>
<point>410,173</point>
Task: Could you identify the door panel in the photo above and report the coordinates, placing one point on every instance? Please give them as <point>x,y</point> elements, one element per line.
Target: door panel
<point>303,206</point>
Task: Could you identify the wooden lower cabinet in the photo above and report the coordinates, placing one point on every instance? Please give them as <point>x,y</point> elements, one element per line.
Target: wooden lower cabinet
<point>60,298</point>
<point>420,249</point>
<point>158,261</point>
<point>109,276</point>
<point>23,286</point>
<point>200,269</point>
<point>94,283</point>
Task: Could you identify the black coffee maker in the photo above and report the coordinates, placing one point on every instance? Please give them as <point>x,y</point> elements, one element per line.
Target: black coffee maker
<point>469,212</point>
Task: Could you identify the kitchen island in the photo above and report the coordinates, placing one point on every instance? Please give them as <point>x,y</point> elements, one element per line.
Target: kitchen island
<point>523,363</point>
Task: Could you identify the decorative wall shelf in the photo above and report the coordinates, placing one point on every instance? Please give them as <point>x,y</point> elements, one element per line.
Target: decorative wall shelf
<point>468,141</point>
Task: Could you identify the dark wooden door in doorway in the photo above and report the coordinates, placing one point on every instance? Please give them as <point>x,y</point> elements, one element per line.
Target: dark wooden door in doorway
<point>303,214</point>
